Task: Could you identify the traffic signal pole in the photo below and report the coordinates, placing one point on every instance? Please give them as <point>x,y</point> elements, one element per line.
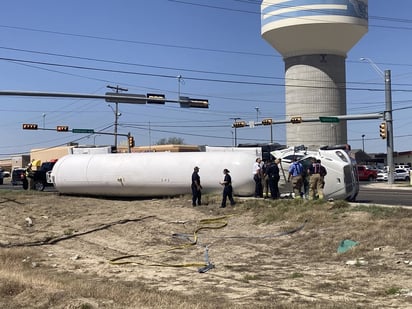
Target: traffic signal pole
<point>389,126</point>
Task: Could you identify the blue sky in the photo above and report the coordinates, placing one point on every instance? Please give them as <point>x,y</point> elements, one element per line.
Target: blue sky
<point>214,45</point>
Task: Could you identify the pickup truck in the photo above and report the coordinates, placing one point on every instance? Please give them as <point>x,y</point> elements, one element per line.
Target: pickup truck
<point>366,173</point>
<point>40,179</point>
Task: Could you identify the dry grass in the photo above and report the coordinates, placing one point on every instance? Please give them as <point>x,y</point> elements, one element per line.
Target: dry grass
<point>257,264</point>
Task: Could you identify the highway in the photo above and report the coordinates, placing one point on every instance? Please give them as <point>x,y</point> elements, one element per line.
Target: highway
<point>399,193</point>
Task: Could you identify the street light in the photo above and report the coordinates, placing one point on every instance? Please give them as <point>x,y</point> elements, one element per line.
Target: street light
<point>387,116</point>
<point>94,139</point>
<point>116,112</point>
<point>257,113</point>
<point>363,142</point>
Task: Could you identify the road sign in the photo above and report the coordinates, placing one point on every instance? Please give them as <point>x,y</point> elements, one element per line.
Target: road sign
<point>88,131</point>
<point>329,119</point>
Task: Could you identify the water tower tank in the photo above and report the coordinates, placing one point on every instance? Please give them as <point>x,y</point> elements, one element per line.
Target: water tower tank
<point>314,36</point>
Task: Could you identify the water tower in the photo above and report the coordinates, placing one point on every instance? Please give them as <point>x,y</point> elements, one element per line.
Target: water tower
<point>314,37</point>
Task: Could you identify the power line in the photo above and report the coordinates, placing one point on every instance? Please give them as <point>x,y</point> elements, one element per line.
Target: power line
<point>193,78</point>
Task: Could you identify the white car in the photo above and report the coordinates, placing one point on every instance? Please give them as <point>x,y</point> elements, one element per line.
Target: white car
<point>398,174</point>
<point>404,167</point>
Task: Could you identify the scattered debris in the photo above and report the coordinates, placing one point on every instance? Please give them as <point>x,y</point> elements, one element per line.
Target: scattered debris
<point>29,221</point>
<point>346,244</point>
<point>76,257</point>
<point>360,261</point>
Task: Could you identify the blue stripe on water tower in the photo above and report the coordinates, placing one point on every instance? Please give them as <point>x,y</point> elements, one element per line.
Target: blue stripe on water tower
<point>307,8</point>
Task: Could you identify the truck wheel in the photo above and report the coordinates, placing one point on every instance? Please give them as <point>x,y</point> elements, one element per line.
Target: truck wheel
<point>39,185</point>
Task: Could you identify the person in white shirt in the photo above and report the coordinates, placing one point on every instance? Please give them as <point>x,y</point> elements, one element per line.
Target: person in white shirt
<point>257,177</point>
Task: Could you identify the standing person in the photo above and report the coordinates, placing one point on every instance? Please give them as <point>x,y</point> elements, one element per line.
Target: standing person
<point>196,188</point>
<point>273,175</point>
<point>257,172</point>
<point>30,176</point>
<point>295,173</point>
<point>227,189</point>
<point>315,180</point>
<point>265,178</point>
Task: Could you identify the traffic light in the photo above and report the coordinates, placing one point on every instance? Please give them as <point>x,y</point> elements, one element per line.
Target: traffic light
<point>29,126</point>
<point>239,124</point>
<point>186,102</point>
<point>62,128</point>
<point>267,121</point>
<point>154,98</point>
<point>131,141</point>
<point>382,130</point>
<point>296,119</point>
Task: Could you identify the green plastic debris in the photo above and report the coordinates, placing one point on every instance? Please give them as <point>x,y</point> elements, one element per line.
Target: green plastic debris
<point>346,244</point>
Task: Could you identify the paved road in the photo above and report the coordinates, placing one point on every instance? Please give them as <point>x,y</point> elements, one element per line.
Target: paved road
<point>399,193</point>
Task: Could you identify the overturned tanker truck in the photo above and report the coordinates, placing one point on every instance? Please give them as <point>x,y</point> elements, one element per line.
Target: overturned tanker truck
<point>157,174</point>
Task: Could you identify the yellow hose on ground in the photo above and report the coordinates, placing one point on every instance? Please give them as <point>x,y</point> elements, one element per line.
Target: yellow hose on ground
<point>203,224</point>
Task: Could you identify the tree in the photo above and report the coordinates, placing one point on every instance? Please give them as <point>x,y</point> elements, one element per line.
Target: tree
<point>170,141</point>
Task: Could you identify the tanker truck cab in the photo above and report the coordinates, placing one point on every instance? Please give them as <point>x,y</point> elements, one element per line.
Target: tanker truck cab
<point>341,181</point>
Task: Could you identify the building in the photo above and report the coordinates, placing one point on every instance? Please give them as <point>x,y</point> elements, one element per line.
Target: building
<point>314,38</point>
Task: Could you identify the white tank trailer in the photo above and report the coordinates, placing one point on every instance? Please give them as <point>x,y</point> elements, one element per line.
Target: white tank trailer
<point>157,174</point>
<point>151,174</point>
<point>314,38</point>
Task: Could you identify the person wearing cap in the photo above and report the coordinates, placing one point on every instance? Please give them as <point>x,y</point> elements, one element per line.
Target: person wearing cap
<point>30,176</point>
<point>196,188</point>
<point>227,189</point>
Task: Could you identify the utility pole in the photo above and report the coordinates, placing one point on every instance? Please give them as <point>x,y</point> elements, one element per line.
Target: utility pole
<point>234,120</point>
<point>363,142</point>
<point>389,125</point>
<point>116,111</point>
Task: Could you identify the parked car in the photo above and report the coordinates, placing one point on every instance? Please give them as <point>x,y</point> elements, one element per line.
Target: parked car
<point>405,167</point>
<point>366,173</point>
<point>398,174</point>
<point>1,176</point>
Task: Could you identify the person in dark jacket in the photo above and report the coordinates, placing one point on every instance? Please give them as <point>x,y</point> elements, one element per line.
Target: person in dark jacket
<point>227,189</point>
<point>273,175</point>
<point>196,188</point>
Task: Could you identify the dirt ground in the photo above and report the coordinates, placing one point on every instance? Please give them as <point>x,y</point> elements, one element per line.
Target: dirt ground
<point>257,262</point>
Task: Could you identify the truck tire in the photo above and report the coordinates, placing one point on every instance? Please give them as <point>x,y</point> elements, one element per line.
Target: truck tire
<point>39,185</point>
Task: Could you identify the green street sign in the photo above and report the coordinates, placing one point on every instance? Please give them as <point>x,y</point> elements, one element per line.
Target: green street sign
<point>88,131</point>
<point>329,119</point>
